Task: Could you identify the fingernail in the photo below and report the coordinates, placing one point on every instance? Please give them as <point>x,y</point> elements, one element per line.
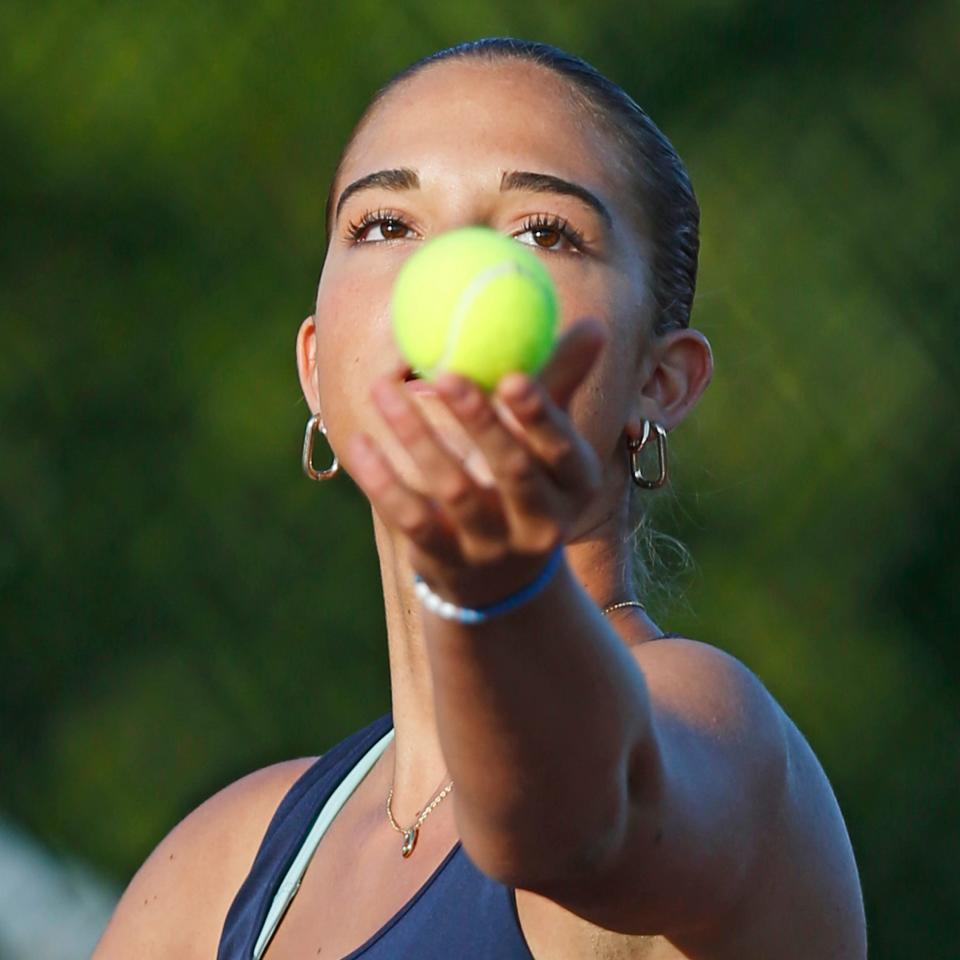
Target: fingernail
<point>516,386</point>
<point>452,386</point>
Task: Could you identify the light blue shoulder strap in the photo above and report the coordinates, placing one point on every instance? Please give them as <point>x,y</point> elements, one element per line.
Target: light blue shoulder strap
<point>291,882</point>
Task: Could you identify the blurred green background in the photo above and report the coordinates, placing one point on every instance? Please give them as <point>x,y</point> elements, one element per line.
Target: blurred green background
<point>179,605</point>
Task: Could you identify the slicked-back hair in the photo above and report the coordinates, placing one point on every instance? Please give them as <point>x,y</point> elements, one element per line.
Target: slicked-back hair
<point>662,185</point>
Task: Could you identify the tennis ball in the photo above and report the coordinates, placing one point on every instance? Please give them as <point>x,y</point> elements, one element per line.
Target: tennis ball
<point>475,302</point>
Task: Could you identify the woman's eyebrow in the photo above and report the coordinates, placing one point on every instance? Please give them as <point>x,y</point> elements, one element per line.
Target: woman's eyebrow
<point>405,179</point>
<point>401,179</point>
<point>546,183</point>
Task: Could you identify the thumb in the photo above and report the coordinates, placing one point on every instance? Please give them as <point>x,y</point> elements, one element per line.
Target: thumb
<point>575,354</point>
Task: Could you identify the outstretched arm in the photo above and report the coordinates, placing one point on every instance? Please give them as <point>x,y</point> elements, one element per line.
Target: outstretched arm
<point>641,789</point>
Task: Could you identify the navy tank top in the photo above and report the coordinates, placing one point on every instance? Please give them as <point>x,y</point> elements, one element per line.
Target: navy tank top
<point>458,912</point>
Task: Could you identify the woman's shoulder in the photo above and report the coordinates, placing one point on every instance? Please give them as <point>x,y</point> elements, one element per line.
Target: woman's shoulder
<point>718,716</point>
<point>176,903</point>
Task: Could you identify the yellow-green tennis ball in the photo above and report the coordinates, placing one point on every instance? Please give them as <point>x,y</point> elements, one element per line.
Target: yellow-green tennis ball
<point>475,302</point>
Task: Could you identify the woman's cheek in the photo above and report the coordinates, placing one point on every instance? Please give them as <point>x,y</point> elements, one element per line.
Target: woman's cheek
<point>342,400</point>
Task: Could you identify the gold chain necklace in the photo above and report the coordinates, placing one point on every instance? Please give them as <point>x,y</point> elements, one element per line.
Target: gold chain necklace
<point>621,605</point>
<point>411,833</point>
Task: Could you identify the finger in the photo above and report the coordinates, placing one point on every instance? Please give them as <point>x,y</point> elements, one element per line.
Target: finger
<point>398,505</point>
<point>474,511</point>
<point>550,433</point>
<point>576,352</point>
<point>529,493</point>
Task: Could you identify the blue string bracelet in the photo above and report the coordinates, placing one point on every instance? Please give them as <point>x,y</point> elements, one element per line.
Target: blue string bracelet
<point>450,611</point>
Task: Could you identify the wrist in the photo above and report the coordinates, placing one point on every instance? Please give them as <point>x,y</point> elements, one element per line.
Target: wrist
<point>489,596</point>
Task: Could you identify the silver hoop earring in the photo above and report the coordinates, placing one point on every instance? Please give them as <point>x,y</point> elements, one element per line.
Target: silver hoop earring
<point>315,426</point>
<point>635,446</point>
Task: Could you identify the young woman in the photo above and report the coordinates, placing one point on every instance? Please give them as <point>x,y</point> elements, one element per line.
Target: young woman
<point>558,778</point>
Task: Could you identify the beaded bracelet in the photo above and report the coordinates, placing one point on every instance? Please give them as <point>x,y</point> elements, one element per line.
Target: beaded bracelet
<point>450,611</point>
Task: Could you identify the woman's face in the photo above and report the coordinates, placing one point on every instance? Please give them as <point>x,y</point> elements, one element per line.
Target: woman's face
<point>502,145</point>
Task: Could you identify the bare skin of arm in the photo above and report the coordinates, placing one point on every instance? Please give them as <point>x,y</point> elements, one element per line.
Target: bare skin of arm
<point>176,903</point>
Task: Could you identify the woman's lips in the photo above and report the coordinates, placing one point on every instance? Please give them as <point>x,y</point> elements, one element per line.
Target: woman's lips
<point>419,386</point>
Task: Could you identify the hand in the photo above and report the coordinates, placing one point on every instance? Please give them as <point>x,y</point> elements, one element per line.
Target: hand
<point>475,544</point>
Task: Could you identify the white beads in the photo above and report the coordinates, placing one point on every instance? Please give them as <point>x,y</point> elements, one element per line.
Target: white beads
<point>450,611</point>
<point>444,608</point>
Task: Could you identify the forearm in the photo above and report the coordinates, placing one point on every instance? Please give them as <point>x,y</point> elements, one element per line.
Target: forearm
<point>540,713</point>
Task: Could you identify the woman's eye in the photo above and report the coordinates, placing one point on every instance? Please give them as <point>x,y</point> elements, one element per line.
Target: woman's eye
<point>543,236</point>
<point>386,230</point>
<point>377,227</point>
<point>547,236</point>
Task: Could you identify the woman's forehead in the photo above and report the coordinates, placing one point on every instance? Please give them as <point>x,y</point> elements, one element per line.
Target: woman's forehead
<point>471,85</point>
<point>499,114</point>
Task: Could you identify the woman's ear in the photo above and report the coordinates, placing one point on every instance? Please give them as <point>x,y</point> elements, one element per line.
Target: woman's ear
<point>678,369</point>
<point>307,363</point>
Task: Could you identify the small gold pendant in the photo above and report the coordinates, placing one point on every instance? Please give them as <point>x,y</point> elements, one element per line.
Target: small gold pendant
<point>409,841</point>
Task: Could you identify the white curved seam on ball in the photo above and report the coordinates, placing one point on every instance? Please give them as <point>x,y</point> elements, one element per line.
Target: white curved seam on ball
<point>473,290</point>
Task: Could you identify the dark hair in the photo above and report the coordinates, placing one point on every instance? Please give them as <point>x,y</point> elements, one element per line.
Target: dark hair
<point>669,208</point>
<point>665,193</point>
